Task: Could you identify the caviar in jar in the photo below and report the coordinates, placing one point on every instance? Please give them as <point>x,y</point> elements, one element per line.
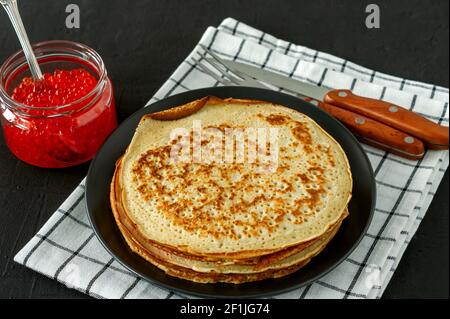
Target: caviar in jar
<point>64,118</point>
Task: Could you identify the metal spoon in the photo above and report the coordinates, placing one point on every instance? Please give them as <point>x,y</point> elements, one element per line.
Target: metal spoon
<point>14,15</point>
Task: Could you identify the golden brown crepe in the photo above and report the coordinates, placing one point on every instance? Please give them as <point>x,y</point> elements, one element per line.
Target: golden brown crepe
<point>225,222</point>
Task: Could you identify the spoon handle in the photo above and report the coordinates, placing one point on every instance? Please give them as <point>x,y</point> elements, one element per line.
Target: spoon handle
<point>13,13</point>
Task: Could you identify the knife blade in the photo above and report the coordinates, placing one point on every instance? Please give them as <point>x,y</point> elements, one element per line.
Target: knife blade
<point>433,135</point>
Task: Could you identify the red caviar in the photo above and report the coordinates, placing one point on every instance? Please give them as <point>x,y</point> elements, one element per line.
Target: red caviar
<point>60,88</point>
<point>67,121</point>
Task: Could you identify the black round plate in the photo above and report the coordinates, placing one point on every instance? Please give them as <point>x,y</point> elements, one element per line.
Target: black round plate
<point>361,205</point>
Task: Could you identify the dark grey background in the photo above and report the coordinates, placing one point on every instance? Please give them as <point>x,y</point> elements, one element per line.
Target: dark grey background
<point>142,42</point>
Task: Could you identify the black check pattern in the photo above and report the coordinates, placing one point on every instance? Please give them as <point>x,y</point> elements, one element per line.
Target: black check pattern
<point>66,249</point>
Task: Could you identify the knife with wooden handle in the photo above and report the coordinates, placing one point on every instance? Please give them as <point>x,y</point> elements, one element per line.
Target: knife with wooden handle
<point>375,133</point>
<point>433,135</point>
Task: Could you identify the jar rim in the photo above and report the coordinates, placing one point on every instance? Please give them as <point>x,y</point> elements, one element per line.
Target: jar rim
<point>82,48</point>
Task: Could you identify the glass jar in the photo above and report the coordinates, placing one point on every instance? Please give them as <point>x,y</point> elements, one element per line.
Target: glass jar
<point>57,136</point>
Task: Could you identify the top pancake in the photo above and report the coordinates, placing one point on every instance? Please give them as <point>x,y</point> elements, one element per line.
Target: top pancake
<point>234,209</point>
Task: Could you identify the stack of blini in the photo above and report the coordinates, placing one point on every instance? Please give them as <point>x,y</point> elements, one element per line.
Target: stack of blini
<point>234,221</point>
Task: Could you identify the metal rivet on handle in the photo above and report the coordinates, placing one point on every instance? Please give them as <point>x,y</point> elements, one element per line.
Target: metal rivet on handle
<point>314,102</point>
<point>393,109</point>
<point>409,139</point>
<point>342,93</point>
<point>360,121</point>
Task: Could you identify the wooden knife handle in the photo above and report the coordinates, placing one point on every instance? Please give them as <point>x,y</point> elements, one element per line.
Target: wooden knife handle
<point>434,135</point>
<point>375,133</point>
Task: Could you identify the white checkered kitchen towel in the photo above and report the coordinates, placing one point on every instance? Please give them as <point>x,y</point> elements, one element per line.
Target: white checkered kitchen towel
<point>66,249</point>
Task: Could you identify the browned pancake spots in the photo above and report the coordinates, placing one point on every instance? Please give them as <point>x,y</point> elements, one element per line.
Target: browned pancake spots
<point>299,130</point>
<point>277,119</point>
<point>314,197</point>
<point>303,177</point>
<point>301,133</point>
<point>314,186</point>
<point>282,168</point>
<point>213,200</point>
<point>329,152</point>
